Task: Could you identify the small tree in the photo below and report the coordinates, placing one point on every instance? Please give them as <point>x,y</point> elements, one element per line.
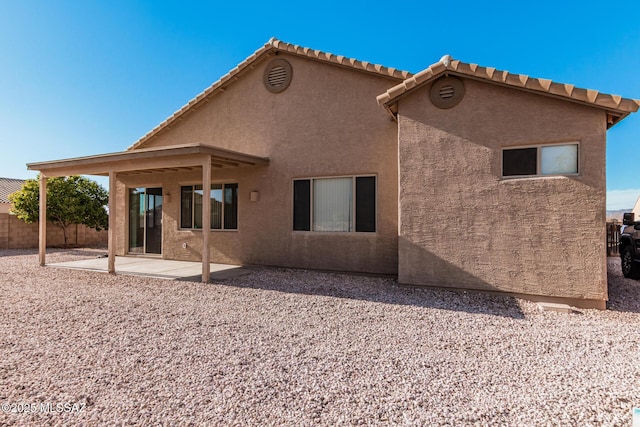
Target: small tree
<point>70,200</point>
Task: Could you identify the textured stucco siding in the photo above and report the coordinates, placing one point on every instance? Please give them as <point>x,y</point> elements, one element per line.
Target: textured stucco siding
<point>327,123</point>
<point>462,225</point>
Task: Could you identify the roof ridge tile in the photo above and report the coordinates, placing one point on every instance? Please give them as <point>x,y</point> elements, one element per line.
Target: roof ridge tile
<point>592,94</point>
<point>523,79</point>
<point>569,88</point>
<point>545,83</point>
<point>616,98</point>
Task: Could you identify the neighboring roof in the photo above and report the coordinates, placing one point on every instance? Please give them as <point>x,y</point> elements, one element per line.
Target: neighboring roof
<point>8,186</point>
<point>175,157</point>
<point>617,106</point>
<point>272,46</point>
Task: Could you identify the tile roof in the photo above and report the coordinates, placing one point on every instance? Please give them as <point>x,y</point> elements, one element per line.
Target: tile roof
<point>273,45</point>
<point>8,186</point>
<point>618,106</point>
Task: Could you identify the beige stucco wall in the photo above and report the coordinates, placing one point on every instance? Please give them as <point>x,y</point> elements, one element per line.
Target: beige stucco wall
<point>462,225</point>
<point>327,123</point>
<point>5,207</point>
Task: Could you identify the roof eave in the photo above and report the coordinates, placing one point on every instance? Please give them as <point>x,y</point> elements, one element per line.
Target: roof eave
<point>181,156</point>
<point>564,92</point>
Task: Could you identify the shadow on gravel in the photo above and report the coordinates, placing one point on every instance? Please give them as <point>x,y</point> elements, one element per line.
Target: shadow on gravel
<point>624,294</point>
<point>376,289</point>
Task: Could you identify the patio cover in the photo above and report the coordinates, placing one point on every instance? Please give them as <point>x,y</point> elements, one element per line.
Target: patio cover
<point>149,160</point>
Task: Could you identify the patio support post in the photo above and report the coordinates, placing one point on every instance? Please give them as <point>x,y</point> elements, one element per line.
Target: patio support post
<point>112,222</point>
<point>206,217</point>
<point>42,220</point>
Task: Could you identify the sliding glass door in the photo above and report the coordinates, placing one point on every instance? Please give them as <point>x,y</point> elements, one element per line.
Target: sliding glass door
<point>145,220</point>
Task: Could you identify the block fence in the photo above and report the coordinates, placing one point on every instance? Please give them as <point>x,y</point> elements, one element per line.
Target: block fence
<point>16,234</point>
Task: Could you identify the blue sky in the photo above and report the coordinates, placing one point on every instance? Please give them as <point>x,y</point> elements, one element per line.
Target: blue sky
<point>88,77</point>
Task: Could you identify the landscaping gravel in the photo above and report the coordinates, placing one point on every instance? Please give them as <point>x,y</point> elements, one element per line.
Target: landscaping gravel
<point>295,347</point>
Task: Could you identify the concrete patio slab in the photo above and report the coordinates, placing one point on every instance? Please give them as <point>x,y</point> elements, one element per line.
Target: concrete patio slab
<point>155,267</point>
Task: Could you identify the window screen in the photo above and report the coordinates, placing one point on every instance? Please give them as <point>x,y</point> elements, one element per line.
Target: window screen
<point>520,161</point>
<point>366,203</point>
<point>231,206</point>
<point>186,204</point>
<point>302,205</point>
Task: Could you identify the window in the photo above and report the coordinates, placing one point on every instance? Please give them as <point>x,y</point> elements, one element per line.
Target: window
<point>224,206</point>
<point>540,160</point>
<point>342,204</point>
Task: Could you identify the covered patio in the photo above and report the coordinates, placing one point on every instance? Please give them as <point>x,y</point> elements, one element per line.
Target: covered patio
<point>142,161</point>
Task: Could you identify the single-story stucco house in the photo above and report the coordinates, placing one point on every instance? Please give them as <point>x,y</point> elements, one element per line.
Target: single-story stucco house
<point>459,176</point>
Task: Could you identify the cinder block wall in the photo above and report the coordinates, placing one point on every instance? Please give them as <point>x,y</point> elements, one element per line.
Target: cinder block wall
<point>4,231</point>
<point>16,234</point>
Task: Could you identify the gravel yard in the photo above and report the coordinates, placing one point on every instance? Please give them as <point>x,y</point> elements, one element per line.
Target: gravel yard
<point>294,347</point>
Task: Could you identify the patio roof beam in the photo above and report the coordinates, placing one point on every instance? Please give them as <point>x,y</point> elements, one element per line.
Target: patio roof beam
<point>227,162</point>
<point>206,215</point>
<point>42,221</point>
<point>112,222</point>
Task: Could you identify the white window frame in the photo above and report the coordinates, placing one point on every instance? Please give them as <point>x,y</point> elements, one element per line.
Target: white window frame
<point>539,147</point>
<point>353,204</point>
<point>193,210</point>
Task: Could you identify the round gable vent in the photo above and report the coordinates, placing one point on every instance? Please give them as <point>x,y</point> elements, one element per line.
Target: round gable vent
<point>277,75</point>
<point>446,92</point>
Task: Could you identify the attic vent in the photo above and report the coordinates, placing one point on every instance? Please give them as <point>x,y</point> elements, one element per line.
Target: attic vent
<point>447,92</point>
<point>277,75</point>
